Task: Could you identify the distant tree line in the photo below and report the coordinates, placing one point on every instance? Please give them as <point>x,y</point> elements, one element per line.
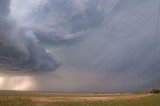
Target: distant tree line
<point>155,91</point>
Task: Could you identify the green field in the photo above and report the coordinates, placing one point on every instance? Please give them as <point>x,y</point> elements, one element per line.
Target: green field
<point>17,98</point>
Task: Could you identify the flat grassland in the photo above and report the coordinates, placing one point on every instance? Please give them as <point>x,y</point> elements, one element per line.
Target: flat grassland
<point>20,98</point>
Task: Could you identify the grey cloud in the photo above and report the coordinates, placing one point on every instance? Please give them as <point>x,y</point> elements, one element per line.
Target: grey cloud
<point>20,50</point>
<point>123,47</point>
<point>4,7</point>
<point>111,44</point>
<point>58,19</point>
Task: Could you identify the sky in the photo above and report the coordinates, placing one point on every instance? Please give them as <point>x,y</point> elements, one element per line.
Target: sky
<point>79,45</point>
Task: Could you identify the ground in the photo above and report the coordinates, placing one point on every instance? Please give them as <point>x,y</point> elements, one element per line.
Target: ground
<point>21,98</point>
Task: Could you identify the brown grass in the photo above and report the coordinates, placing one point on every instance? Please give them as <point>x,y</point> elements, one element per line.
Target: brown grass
<point>88,99</point>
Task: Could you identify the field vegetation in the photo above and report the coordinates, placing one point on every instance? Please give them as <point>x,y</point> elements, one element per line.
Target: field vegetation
<point>20,98</point>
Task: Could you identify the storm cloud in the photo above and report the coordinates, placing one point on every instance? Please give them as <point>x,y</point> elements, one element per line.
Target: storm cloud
<point>19,48</point>
<point>102,45</point>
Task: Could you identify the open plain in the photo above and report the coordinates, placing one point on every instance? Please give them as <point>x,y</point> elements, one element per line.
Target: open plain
<point>22,98</point>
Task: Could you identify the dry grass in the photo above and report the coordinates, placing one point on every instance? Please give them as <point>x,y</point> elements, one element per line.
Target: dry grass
<point>14,98</point>
<point>88,99</point>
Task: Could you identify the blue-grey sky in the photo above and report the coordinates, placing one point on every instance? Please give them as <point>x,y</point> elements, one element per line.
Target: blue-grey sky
<point>79,45</point>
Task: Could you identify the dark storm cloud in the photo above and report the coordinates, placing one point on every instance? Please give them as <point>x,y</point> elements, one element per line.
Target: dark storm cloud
<point>111,44</point>
<point>19,48</point>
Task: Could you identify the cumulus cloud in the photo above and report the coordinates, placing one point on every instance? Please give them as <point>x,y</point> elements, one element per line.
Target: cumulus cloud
<point>19,48</point>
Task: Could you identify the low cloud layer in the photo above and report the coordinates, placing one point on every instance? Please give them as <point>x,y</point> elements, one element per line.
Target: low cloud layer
<point>102,45</point>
